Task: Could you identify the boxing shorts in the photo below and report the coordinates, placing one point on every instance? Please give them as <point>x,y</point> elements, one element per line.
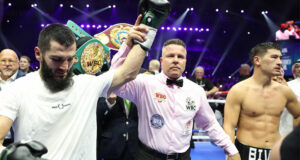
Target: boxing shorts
<point>252,153</point>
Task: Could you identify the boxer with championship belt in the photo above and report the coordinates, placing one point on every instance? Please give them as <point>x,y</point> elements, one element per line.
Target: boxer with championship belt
<point>92,55</point>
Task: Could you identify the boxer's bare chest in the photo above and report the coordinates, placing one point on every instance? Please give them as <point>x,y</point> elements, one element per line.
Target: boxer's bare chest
<point>257,102</point>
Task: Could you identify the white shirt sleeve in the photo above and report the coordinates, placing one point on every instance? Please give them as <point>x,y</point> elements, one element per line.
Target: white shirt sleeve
<point>9,101</point>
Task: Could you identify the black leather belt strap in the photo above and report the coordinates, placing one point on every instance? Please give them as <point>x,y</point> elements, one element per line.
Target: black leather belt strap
<point>159,154</point>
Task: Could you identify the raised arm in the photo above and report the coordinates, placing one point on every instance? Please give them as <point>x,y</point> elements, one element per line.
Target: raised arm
<point>232,112</point>
<point>134,60</point>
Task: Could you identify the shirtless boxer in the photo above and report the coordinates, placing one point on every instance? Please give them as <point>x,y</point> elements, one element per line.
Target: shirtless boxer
<point>254,105</point>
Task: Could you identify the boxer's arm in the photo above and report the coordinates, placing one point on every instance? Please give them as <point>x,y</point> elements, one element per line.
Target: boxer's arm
<point>130,68</point>
<point>293,106</point>
<point>135,33</point>
<point>5,124</point>
<point>132,64</point>
<point>232,112</point>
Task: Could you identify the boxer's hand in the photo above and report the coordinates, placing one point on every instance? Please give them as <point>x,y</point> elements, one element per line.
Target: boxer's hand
<point>137,32</point>
<point>234,157</point>
<point>154,14</point>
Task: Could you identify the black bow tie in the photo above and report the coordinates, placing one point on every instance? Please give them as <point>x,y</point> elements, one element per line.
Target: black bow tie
<point>179,82</point>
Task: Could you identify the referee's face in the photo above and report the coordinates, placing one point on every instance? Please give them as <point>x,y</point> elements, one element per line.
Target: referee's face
<point>173,60</point>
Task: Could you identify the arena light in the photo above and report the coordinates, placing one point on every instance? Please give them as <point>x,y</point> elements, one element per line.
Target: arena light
<point>242,11</point>
<point>44,14</point>
<point>237,33</point>
<point>191,9</point>
<point>71,6</point>
<point>164,28</point>
<point>226,11</point>
<point>109,6</point>
<point>271,25</point>
<point>92,14</point>
<point>42,25</point>
<point>217,10</point>
<point>87,5</point>
<point>180,20</point>
<point>114,6</point>
<point>248,33</point>
<point>9,4</point>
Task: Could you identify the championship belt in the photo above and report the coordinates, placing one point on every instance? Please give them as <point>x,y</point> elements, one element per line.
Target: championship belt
<point>92,55</point>
<point>115,35</point>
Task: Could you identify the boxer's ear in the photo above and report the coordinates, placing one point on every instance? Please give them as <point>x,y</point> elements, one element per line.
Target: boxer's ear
<point>256,60</point>
<point>38,54</point>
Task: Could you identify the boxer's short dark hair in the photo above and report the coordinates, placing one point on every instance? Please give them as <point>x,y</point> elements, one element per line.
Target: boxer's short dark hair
<point>262,48</point>
<point>56,32</point>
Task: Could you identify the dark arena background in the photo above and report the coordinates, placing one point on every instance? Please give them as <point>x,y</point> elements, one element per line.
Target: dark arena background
<point>219,34</point>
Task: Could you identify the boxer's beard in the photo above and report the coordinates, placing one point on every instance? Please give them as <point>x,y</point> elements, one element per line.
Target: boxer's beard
<point>55,84</point>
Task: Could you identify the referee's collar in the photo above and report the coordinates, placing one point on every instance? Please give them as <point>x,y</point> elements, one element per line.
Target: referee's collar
<point>165,77</point>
